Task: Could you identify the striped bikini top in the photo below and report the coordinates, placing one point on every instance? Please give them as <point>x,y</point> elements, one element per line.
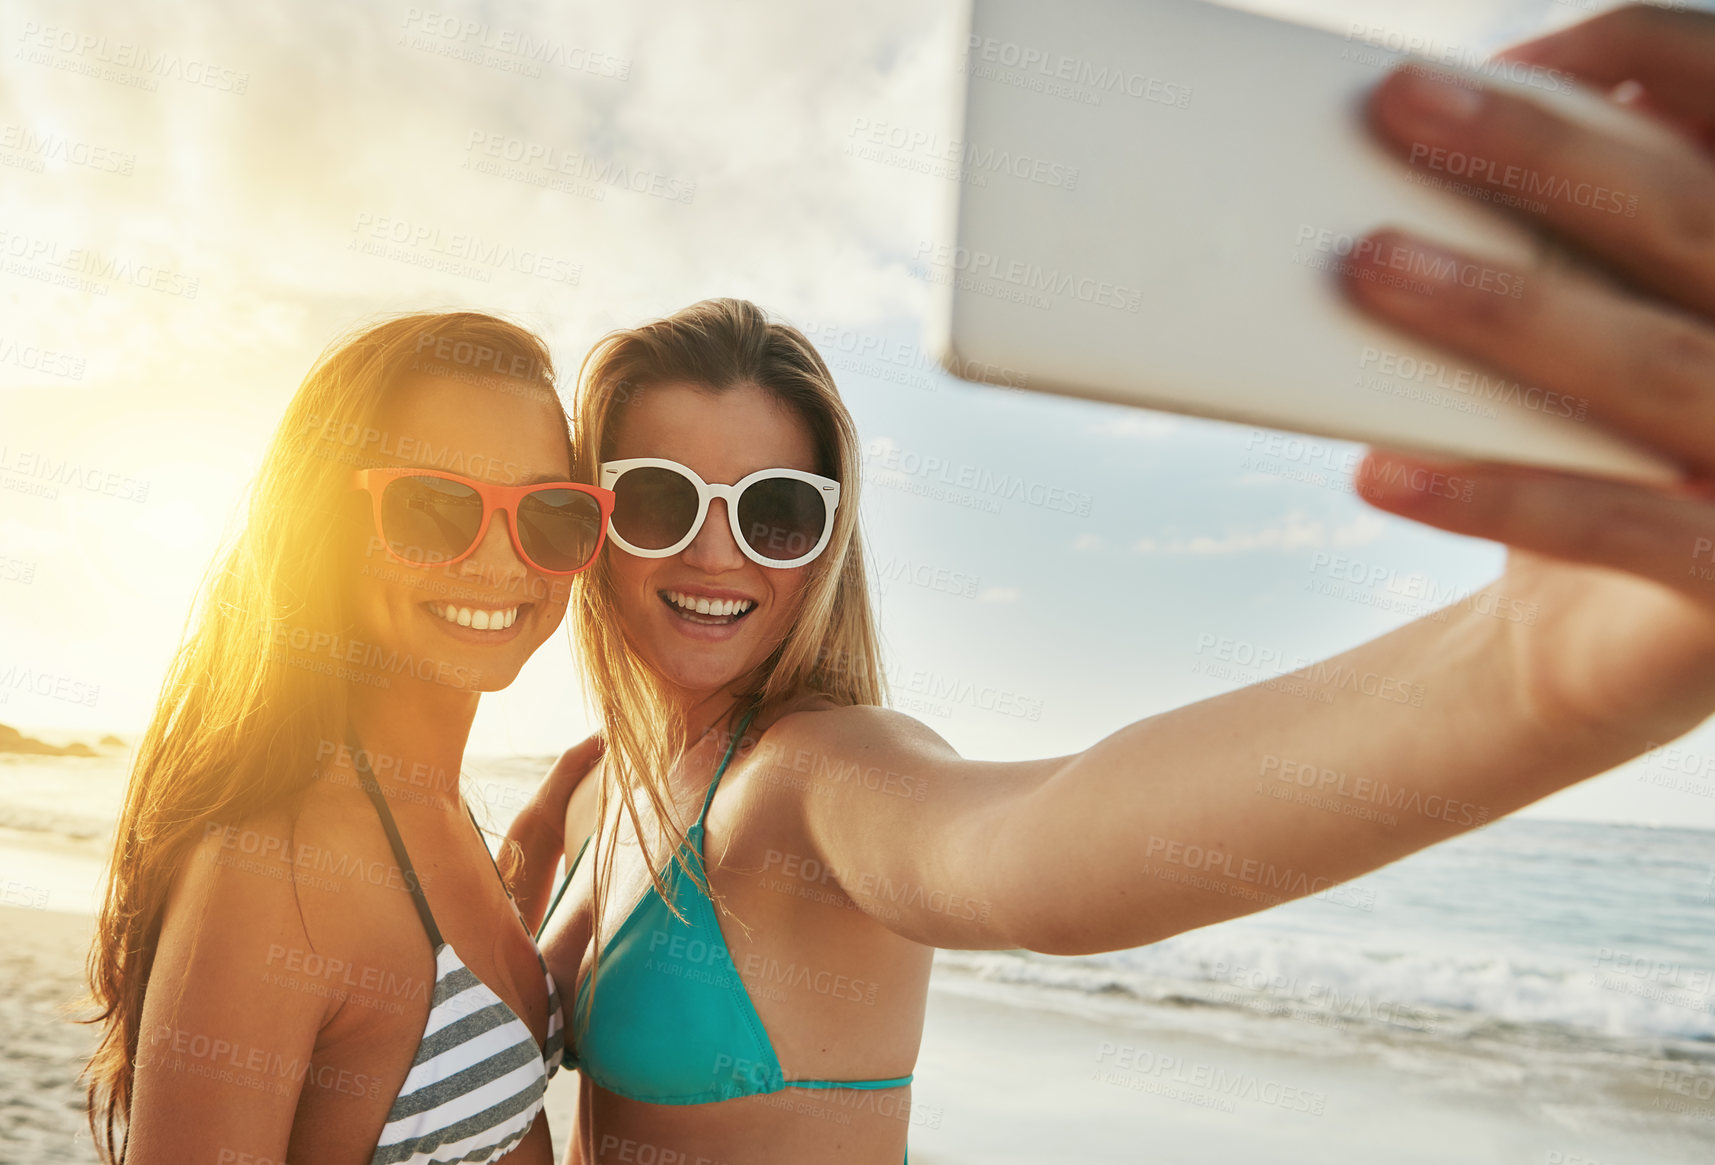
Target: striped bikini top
<point>478,1078</point>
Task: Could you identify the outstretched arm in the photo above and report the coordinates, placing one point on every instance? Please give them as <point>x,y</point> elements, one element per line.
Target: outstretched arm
<point>1210,811</point>
<point>1287,787</point>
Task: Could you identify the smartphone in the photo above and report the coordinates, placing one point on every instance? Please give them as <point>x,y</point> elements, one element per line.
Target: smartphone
<point>1151,201</point>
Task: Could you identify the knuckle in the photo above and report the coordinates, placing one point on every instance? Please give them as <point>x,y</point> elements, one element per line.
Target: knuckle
<point>1606,519</point>
<point>1691,220</point>
<point>1678,220</point>
<point>1529,131</point>
<point>1673,368</point>
<point>1482,313</point>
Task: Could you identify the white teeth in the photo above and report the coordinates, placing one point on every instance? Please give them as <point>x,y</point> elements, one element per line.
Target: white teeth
<point>479,618</point>
<point>702,605</point>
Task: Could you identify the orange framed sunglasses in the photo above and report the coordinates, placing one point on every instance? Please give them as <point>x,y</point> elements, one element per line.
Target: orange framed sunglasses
<point>427,517</point>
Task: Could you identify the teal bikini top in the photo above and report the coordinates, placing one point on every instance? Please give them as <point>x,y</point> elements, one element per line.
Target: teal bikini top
<point>674,1023</point>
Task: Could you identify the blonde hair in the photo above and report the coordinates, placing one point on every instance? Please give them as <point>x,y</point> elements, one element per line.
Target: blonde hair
<point>831,646</point>
<point>239,723</point>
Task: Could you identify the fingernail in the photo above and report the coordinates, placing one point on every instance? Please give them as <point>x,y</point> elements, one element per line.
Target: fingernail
<point>1399,480</point>
<point>1421,260</point>
<point>1439,100</point>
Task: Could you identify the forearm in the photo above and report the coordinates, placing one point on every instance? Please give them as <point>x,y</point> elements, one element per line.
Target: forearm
<point>540,827</point>
<point>1290,786</point>
<point>541,843</point>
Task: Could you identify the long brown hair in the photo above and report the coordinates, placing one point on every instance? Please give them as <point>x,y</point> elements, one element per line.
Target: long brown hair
<point>237,728</point>
<point>831,646</point>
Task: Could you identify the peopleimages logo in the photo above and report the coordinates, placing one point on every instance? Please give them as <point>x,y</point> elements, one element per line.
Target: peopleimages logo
<point>39,147</point>
<point>908,463</point>
<point>1524,181</point>
<point>1078,78</point>
<point>872,140</point>
<point>1470,383</point>
<point>139,66</point>
<point>1391,40</point>
<point>1440,268</point>
<point>1030,277</point>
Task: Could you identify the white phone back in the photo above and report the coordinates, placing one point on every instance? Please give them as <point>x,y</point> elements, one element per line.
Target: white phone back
<point>1153,196</point>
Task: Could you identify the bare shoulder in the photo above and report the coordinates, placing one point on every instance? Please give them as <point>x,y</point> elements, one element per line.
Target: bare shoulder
<point>855,733</point>
<point>238,863</point>
<point>582,814</point>
<point>232,906</point>
<point>836,757</point>
<point>286,874</point>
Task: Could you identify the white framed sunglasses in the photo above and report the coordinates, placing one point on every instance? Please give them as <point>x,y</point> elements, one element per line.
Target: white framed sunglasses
<point>779,517</point>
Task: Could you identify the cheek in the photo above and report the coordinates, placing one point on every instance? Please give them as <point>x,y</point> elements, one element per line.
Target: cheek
<point>556,597</point>
<point>382,608</point>
<point>630,576</point>
<point>786,596</point>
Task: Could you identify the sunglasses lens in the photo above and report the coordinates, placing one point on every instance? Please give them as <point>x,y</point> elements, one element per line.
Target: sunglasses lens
<point>653,507</point>
<point>559,528</point>
<point>782,517</point>
<point>429,519</point>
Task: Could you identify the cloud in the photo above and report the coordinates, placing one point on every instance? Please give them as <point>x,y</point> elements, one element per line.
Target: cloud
<point>1294,532</point>
<point>1148,426</point>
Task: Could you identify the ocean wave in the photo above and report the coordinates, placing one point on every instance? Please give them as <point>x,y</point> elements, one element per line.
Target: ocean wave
<point>1442,992</point>
<point>70,826</point>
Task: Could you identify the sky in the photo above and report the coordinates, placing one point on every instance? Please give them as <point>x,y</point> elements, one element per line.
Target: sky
<point>200,197</point>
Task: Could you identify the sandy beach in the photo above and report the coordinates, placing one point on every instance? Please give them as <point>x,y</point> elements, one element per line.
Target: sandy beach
<point>1005,1084</point>
<point>41,1051</point>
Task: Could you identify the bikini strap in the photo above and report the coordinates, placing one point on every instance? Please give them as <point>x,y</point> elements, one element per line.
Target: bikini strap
<point>367,779</point>
<point>471,813</point>
<point>573,868</point>
<point>708,798</point>
<point>561,892</point>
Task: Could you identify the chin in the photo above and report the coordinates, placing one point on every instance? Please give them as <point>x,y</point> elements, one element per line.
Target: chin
<point>687,670</point>
<point>696,669</point>
<point>489,682</point>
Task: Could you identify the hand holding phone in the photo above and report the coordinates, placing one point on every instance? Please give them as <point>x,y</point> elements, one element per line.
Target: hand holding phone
<point>1633,333</point>
<point>1185,188</point>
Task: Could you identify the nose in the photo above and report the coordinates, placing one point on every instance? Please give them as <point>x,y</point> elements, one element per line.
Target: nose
<point>495,563</point>
<point>714,550</point>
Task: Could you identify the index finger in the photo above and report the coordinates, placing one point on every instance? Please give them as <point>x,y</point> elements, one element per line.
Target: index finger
<point>1670,53</point>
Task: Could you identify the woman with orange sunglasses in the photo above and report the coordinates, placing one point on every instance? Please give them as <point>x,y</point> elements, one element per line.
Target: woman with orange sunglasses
<point>306,952</point>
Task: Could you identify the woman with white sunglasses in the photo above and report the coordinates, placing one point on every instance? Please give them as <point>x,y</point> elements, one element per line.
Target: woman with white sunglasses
<point>767,856</point>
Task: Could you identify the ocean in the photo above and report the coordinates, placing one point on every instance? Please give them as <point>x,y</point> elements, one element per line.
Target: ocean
<point>1525,935</point>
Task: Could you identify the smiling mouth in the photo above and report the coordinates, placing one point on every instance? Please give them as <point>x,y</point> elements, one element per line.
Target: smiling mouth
<point>705,611</point>
<point>475,617</point>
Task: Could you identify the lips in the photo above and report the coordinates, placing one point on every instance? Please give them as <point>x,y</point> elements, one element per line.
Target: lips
<point>710,605</point>
<point>706,615</point>
<point>477,622</point>
<point>481,618</point>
